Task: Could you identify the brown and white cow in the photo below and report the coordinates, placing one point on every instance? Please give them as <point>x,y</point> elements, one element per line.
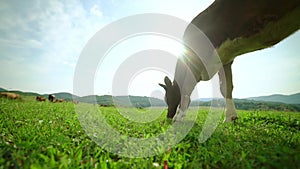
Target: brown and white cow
<point>233,27</point>
<point>10,95</point>
<point>58,100</point>
<point>40,99</point>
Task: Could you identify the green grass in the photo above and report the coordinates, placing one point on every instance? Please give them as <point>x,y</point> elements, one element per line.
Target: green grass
<point>46,135</point>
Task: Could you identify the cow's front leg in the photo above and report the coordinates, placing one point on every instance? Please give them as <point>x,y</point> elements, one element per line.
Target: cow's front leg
<point>226,86</point>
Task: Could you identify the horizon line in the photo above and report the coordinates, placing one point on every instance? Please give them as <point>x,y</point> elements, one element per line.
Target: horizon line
<point>18,90</point>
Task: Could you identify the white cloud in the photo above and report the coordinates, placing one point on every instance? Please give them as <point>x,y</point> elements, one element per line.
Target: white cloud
<point>96,11</point>
<point>43,42</point>
<point>46,37</point>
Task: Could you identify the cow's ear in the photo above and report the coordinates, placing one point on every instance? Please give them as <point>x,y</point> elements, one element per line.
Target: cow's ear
<point>168,82</point>
<point>164,86</point>
<point>175,83</point>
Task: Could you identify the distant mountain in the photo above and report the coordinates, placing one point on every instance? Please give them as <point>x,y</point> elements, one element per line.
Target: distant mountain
<point>108,100</point>
<point>288,99</point>
<point>203,99</point>
<point>138,101</point>
<point>2,90</point>
<point>272,102</point>
<point>105,100</point>
<point>135,101</point>
<point>244,104</point>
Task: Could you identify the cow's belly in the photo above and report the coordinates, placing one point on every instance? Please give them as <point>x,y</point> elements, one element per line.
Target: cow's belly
<point>272,33</point>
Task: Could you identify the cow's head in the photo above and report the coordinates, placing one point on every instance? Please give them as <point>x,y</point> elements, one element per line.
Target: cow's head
<point>172,96</point>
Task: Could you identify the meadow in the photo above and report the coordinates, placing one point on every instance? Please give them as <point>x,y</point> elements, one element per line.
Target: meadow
<point>49,135</point>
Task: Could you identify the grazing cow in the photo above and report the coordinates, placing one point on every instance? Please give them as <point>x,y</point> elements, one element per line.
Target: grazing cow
<point>40,99</point>
<point>51,98</point>
<point>234,27</point>
<point>58,100</point>
<point>75,101</point>
<point>10,95</point>
<point>103,105</point>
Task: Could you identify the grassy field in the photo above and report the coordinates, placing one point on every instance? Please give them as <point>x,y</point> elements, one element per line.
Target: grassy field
<point>49,135</point>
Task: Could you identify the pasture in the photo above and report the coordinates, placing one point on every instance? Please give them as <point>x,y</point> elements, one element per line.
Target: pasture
<point>49,135</point>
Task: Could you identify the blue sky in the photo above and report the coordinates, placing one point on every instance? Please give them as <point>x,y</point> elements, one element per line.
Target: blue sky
<point>42,40</point>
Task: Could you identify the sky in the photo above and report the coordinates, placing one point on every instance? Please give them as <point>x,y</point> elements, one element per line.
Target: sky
<point>41,42</point>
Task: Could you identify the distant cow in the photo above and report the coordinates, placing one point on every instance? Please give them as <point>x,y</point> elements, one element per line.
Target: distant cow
<point>58,100</point>
<point>10,95</point>
<point>51,98</point>
<point>75,101</point>
<point>40,99</point>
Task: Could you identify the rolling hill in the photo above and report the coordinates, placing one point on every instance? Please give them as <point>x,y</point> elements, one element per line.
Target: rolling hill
<point>288,99</point>
<point>63,95</point>
<point>272,102</point>
<point>137,101</point>
<point>2,90</point>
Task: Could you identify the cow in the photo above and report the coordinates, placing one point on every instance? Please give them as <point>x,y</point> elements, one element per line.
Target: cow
<point>103,105</point>
<point>51,98</point>
<point>40,99</point>
<point>58,100</point>
<point>233,27</point>
<point>75,101</point>
<point>10,95</point>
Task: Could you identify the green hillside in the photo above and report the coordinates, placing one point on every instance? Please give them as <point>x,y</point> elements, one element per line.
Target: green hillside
<point>244,104</point>
<point>2,90</point>
<point>126,101</point>
<point>289,99</point>
<point>273,102</point>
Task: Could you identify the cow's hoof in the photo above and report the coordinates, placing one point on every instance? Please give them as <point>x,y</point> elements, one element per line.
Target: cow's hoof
<point>234,118</point>
<point>230,119</point>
